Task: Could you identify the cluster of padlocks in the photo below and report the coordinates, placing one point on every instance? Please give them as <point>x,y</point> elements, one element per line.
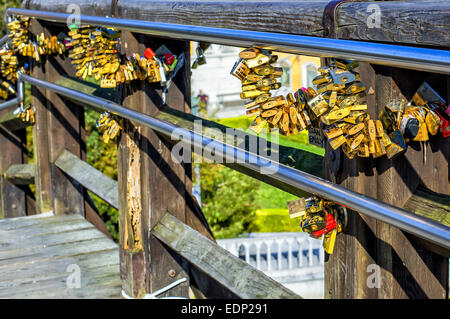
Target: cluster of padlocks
<point>94,52</point>
<point>110,125</point>
<point>259,77</point>
<point>338,108</point>
<point>319,218</point>
<point>13,54</point>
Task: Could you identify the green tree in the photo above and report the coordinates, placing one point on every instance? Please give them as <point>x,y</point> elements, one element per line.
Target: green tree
<point>228,200</point>
<point>4,4</point>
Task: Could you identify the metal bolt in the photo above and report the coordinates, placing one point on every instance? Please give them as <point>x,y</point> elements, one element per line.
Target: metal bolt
<point>172,273</point>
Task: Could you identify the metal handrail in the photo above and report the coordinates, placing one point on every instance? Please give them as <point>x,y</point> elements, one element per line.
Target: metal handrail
<point>409,222</point>
<point>10,103</point>
<point>408,57</point>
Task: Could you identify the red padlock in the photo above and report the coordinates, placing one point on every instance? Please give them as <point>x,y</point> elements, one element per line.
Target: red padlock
<point>444,126</point>
<point>149,54</point>
<point>169,58</point>
<point>331,223</point>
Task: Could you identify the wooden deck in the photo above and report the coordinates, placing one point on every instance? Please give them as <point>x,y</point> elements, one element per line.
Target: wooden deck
<point>39,254</point>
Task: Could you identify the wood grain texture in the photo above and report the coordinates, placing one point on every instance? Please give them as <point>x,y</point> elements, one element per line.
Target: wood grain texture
<point>65,121</point>
<point>430,204</point>
<point>230,271</point>
<point>10,121</point>
<point>101,185</point>
<point>40,133</point>
<point>37,265</point>
<point>20,174</point>
<point>419,22</point>
<point>412,22</point>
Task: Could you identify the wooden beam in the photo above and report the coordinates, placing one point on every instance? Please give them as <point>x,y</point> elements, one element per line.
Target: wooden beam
<point>233,273</point>
<point>20,174</point>
<point>40,133</point>
<point>13,151</point>
<point>101,185</point>
<point>427,203</point>
<point>65,121</point>
<point>10,121</point>
<point>408,22</point>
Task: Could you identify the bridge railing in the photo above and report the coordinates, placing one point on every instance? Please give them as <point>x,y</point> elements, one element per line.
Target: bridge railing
<point>151,183</point>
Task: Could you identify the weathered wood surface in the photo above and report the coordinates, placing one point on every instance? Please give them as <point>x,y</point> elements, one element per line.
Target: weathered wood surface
<point>65,121</point>
<point>20,174</point>
<point>37,253</point>
<point>233,273</point>
<point>40,134</point>
<point>150,182</point>
<point>407,269</point>
<point>101,185</point>
<point>13,199</point>
<point>10,121</point>
<point>411,22</point>
<point>430,204</point>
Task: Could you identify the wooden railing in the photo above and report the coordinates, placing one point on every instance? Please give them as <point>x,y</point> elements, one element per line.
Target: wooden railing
<point>163,233</point>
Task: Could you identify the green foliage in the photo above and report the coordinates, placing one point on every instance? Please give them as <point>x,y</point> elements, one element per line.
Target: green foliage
<point>4,4</point>
<point>234,203</point>
<point>228,200</point>
<point>269,197</point>
<point>103,156</point>
<point>299,141</point>
<point>276,220</point>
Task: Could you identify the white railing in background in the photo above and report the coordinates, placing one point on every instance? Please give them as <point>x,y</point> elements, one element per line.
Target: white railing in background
<point>285,257</point>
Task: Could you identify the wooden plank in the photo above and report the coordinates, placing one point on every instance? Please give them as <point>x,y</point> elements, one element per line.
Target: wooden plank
<point>41,219</point>
<point>12,197</point>
<point>43,269</point>
<point>65,126</point>
<point>406,268</point>
<point>20,174</point>
<point>7,236</point>
<point>101,185</point>
<point>86,87</point>
<point>418,22</point>
<point>58,251</point>
<point>58,284</point>
<point>410,22</point>
<point>430,204</point>
<point>11,122</point>
<point>230,271</point>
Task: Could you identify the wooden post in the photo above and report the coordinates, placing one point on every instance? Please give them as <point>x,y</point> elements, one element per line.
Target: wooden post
<point>373,259</point>
<point>151,183</point>
<point>59,126</point>
<point>13,201</point>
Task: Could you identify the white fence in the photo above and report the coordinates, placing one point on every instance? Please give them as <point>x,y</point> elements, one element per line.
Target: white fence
<point>294,259</point>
